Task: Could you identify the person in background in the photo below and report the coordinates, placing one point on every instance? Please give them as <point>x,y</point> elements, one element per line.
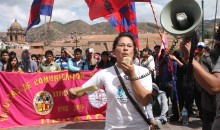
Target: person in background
<point>4,60</point>
<point>137,58</point>
<point>12,53</point>
<point>113,59</point>
<point>120,113</point>
<point>156,60</point>
<point>167,73</point>
<point>77,63</point>
<point>39,60</point>
<point>49,65</point>
<point>201,50</point>
<point>147,61</point>
<point>97,57</point>
<point>208,81</point>
<point>157,108</point>
<point>34,57</point>
<point>26,64</point>
<point>13,65</point>
<point>63,60</point>
<point>207,49</point>
<point>105,62</point>
<point>91,62</point>
<point>208,102</point>
<point>197,89</point>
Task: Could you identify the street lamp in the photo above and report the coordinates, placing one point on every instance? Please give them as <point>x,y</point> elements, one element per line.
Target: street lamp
<point>203,21</point>
<point>76,37</point>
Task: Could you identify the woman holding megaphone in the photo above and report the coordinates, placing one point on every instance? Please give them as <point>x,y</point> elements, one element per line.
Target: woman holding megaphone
<point>125,84</point>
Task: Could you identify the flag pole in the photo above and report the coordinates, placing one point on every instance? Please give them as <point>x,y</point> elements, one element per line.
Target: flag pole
<point>216,10</point>
<point>203,21</point>
<point>45,33</point>
<point>158,28</point>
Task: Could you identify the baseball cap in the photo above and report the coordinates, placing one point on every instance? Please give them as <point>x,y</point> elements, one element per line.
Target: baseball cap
<point>201,44</point>
<point>90,50</point>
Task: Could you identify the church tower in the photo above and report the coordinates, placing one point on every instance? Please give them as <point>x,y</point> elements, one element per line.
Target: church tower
<point>15,33</point>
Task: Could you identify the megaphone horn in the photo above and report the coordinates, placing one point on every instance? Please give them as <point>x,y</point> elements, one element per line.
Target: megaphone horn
<point>180,17</point>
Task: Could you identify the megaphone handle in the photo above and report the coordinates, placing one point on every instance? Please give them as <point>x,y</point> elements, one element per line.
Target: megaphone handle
<point>194,42</point>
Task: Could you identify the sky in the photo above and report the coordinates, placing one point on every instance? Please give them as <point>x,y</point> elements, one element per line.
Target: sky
<point>69,10</point>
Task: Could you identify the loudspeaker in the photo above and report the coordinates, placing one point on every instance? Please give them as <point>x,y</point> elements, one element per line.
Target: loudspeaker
<point>181,17</point>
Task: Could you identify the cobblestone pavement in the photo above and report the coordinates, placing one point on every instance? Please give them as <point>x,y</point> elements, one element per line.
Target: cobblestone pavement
<point>194,124</point>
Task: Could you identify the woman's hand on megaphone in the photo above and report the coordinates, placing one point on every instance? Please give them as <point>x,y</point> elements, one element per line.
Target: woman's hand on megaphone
<point>185,49</point>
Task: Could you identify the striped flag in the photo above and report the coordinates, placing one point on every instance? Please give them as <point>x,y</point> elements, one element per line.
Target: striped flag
<point>39,7</point>
<point>101,8</point>
<point>121,14</point>
<point>125,21</point>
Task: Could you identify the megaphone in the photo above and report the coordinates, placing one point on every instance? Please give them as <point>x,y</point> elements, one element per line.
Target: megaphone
<point>180,17</point>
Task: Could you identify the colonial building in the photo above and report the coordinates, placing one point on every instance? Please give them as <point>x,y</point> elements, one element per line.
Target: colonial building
<point>2,45</point>
<point>15,33</point>
<point>16,38</point>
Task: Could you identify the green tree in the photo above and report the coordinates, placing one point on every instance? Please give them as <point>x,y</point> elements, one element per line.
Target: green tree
<point>207,34</point>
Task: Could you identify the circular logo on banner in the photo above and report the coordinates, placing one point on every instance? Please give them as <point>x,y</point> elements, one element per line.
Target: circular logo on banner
<point>43,102</point>
<point>98,98</point>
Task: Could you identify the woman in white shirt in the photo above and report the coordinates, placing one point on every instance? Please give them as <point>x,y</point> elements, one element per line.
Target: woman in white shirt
<point>120,113</point>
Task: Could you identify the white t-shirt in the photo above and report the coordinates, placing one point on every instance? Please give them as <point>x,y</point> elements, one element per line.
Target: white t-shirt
<point>149,64</point>
<point>120,113</point>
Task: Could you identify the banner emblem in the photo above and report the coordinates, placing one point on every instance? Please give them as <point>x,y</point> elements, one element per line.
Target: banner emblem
<point>43,103</point>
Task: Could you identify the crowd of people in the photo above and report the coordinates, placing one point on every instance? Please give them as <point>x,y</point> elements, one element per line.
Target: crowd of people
<point>167,79</point>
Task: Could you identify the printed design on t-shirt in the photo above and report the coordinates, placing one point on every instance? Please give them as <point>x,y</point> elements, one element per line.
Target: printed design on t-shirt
<point>53,68</point>
<point>121,96</point>
<point>98,99</point>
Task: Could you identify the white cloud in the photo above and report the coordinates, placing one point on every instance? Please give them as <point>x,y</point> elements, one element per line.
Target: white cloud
<point>145,14</point>
<point>9,14</point>
<point>63,15</point>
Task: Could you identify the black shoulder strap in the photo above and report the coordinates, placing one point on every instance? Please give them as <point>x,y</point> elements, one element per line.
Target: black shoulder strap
<point>130,97</point>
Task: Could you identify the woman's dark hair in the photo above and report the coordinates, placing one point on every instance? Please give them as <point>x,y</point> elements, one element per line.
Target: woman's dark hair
<point>105,53</point>
<point>48,52</point>
<point>9,67</point>
<point>102,64</point>
<point>148,50</point>
<point>125,34</point>
<point>34,55</point>
<point>157,46</point>
<point>12,53</point>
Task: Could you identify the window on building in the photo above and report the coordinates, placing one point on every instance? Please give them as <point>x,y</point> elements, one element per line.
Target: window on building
<point>16,37</point>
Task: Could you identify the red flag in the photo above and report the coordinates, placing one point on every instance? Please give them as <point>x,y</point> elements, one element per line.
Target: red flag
<point>39,7</point>
<point>125,21</point>
<point>101,8</point>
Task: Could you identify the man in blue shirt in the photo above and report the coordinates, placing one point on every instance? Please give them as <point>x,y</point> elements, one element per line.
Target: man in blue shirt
<point>63,60</point>
<point>77,63</point>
